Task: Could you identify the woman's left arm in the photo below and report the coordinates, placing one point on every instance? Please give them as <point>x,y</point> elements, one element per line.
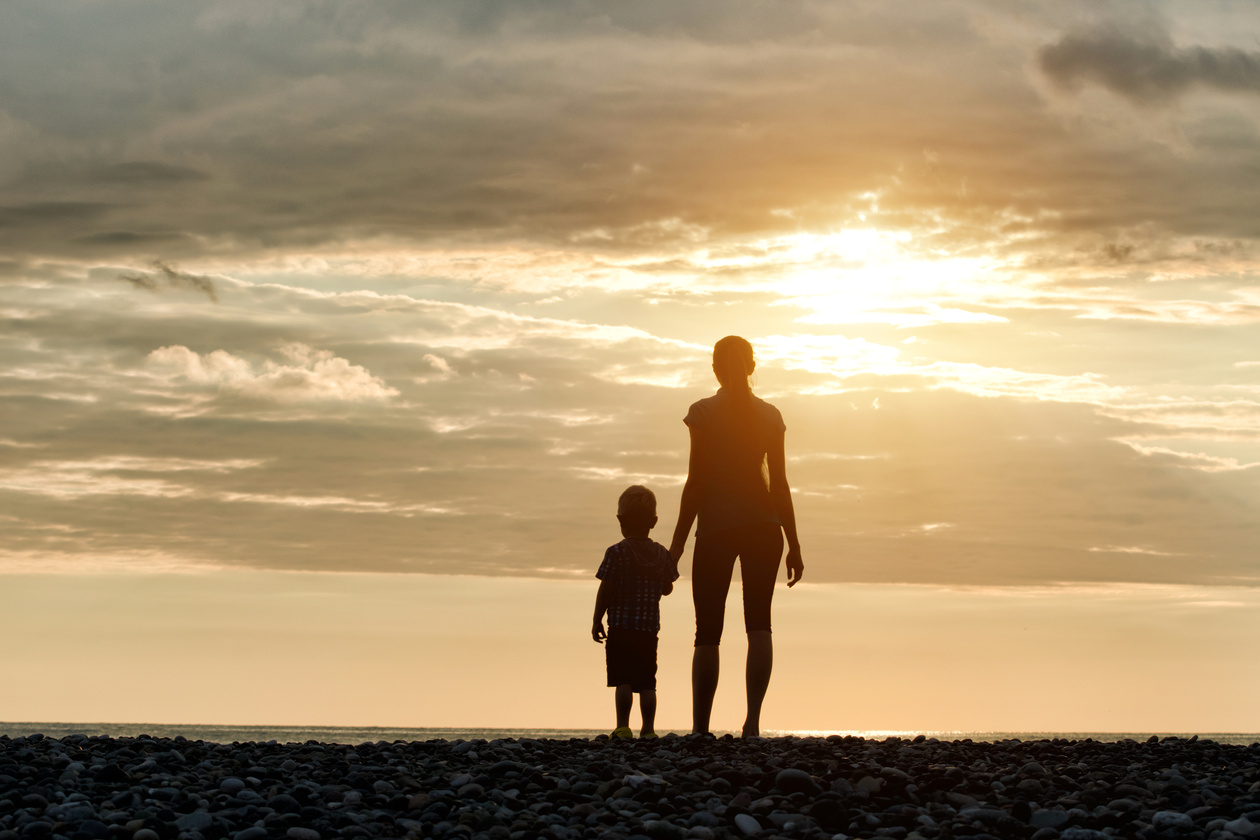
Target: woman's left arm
<point>781,498</point>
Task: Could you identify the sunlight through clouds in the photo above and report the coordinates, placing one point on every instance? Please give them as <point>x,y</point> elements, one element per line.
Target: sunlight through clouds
<point>994,289</point>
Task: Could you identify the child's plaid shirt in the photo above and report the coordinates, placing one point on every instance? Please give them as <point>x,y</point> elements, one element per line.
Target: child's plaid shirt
<point>637,570</point>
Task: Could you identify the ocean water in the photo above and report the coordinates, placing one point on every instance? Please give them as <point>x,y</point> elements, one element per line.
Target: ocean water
<point>374,734</point>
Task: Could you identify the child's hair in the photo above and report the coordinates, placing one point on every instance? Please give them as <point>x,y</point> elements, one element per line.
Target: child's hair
<point>637,502</point>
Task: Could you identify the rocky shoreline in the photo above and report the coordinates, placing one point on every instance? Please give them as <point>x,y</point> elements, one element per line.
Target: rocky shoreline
<point>143,788</point>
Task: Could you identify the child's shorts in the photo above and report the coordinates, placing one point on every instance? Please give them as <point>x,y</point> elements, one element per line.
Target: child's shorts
<point>631,656</point>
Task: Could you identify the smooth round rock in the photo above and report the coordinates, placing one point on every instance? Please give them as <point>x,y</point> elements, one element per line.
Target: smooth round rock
<point>231,785</point>
<point>792,780</point>
<point>146,834</point>
<point>1171,819</point>
<point>282,803</point>
<point>747,823</point>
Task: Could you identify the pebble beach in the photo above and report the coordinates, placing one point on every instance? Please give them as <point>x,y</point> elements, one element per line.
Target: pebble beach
<point>151,788</point>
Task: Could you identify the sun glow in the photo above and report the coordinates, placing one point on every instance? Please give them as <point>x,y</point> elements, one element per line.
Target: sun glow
<point>871,276</point>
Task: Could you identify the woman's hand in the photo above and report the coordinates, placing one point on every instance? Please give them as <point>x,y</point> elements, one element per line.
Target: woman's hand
<point>597,632</point>
<point>795,566</point>
<point>676,551</point>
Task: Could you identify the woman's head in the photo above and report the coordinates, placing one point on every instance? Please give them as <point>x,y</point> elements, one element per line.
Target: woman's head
<point>733,363</point>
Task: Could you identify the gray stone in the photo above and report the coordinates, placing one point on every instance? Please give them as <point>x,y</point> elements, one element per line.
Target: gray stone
<point>145,834</point>
<point>299,833</point>
<point>1048,818</point>
<point>1079,833</point>
<point>894,773</point>
<point>1171,819</point>
<point>663,830</point>
<point>231,785</point>
<point>75,812</point>
<point>1243,827</point>
<point>196,821</point>
<point>254,832</point>
<point>792,780</point>
<point>746,823</point>
<point>872,785</point>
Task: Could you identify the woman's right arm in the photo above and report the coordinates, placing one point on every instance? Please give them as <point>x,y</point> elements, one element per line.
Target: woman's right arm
<point>690,504</point>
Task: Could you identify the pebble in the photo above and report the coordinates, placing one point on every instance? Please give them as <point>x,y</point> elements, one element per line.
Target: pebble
<point>677,788</point>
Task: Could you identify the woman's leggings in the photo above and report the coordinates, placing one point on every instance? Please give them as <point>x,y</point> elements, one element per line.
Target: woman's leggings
<point>759,548</point>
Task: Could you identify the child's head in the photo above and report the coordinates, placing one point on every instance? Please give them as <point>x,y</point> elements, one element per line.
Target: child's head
<point>636,511</point>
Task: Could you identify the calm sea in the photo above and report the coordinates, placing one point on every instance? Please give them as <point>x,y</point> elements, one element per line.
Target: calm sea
<point>373,734</point>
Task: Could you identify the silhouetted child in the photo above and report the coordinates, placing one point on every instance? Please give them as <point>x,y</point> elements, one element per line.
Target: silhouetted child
<point>635,573</point>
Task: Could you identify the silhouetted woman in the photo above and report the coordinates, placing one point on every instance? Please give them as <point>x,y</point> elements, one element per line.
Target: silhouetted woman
<point>737,486</point>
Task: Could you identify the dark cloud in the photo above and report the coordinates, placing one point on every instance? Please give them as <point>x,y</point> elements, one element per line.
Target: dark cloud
<point>147,172</point>
<point>169,277</point>
<point>1147,69</point>
<point>128,238</point>
<point>303,126</point>
<point>38,213</point>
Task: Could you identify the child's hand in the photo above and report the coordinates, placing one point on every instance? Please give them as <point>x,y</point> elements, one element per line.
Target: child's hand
<point>667,588</point>
<point>597,632</point>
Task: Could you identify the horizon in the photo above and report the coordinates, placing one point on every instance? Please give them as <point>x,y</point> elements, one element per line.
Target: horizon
<point>331,335</point>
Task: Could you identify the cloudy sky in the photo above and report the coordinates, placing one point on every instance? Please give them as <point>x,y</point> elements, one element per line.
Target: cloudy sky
<point>409,292</point>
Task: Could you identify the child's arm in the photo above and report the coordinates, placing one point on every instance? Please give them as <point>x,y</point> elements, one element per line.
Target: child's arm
<point>601,607</point>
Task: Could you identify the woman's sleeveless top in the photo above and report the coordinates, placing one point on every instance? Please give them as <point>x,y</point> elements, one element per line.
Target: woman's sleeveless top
<point>737,433</point>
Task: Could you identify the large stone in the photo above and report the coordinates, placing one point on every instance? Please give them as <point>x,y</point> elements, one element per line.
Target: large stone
<point>231,785</point>
<point>1243,827</point>
<point>792,780</point>
<point>1082,833</point>
<point>747,823</point>
<point>1171,819</point>
<point>196,821</point>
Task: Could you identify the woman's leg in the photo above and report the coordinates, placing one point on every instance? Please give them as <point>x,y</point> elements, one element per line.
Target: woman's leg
<point>704,682</point>
<point>712,563</point>
<point>759,568</point>
<point>757,677</point>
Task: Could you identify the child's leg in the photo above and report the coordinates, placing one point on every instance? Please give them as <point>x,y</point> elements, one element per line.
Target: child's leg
<point>647,707</point>
<point>624,699</point>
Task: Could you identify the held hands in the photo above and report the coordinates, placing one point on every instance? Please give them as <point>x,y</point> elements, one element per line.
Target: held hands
<point>795,566</point>
<point>676,551</point>
<point>597,632</point>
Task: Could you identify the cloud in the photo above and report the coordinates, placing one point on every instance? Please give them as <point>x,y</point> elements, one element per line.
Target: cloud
<point>101,476</point>
<point>1147,69</point>
<point>310,376</point>
<point>469,259</point>
<point>166,276</point>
